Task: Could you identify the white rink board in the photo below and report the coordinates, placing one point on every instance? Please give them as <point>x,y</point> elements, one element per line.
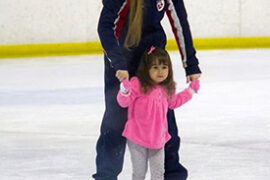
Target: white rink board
<point>60,21</point>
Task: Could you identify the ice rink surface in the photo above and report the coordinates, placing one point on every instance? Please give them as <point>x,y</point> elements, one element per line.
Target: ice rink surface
<point>51,109</point>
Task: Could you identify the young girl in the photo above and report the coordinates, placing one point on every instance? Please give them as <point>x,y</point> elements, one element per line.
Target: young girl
<point>148,97</point>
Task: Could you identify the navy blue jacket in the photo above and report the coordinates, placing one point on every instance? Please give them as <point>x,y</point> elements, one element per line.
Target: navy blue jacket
<point>113,26</point>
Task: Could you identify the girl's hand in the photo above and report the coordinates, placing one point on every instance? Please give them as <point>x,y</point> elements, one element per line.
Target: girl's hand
<point>121,75</point>
<point>125,87</point>
<point>195,86</point>
<point>193,77</point>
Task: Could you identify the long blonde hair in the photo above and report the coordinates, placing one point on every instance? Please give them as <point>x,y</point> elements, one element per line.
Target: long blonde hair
<point>135,23</point>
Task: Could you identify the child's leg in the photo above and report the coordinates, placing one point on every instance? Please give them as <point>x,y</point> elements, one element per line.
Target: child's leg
<point>139,160</point>
<point>157,167</point>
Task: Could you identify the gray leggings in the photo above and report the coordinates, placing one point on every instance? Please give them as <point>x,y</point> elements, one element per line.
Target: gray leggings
<point>139,158</point>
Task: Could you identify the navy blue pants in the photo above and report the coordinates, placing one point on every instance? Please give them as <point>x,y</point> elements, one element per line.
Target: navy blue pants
<point>111,144</point>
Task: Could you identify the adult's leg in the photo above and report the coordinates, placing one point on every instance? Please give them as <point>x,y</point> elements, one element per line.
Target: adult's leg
<point>139,159</point>
<point>111,144</point>
<point>173,169</point>
<point>156,160</point>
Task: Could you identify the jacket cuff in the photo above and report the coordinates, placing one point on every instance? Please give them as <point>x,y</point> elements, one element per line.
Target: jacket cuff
<point>192,70</point>
<point>116,58</point>
<point>120,65</point>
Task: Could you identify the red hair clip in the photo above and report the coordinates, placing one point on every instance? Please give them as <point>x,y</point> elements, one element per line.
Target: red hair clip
<point>151,50</point>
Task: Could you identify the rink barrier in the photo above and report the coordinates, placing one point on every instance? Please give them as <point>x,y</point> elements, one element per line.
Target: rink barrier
<point>50,49</point>
<point>66,49</point>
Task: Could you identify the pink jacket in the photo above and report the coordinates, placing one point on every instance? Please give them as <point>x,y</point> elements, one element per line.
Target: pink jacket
<point>147,122</point>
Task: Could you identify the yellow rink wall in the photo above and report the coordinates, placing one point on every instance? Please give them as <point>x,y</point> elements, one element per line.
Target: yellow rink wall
<point>63,49</point>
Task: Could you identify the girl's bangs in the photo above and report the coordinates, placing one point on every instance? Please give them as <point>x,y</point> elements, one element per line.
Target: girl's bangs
<point>162,60</point>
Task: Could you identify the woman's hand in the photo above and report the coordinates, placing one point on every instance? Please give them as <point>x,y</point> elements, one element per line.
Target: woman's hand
<point>193,77</point>
<point>121,75</point>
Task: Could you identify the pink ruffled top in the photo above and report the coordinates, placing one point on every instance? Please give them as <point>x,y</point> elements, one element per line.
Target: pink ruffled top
<point>147,121</point>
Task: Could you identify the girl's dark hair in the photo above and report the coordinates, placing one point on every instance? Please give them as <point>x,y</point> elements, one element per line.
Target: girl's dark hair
<point>162,57</point>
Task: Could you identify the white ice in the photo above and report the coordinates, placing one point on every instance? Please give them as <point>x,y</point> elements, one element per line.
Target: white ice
<point>51,109</point>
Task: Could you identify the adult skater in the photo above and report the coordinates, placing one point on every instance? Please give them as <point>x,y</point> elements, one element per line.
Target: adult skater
<point>126,29</point>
